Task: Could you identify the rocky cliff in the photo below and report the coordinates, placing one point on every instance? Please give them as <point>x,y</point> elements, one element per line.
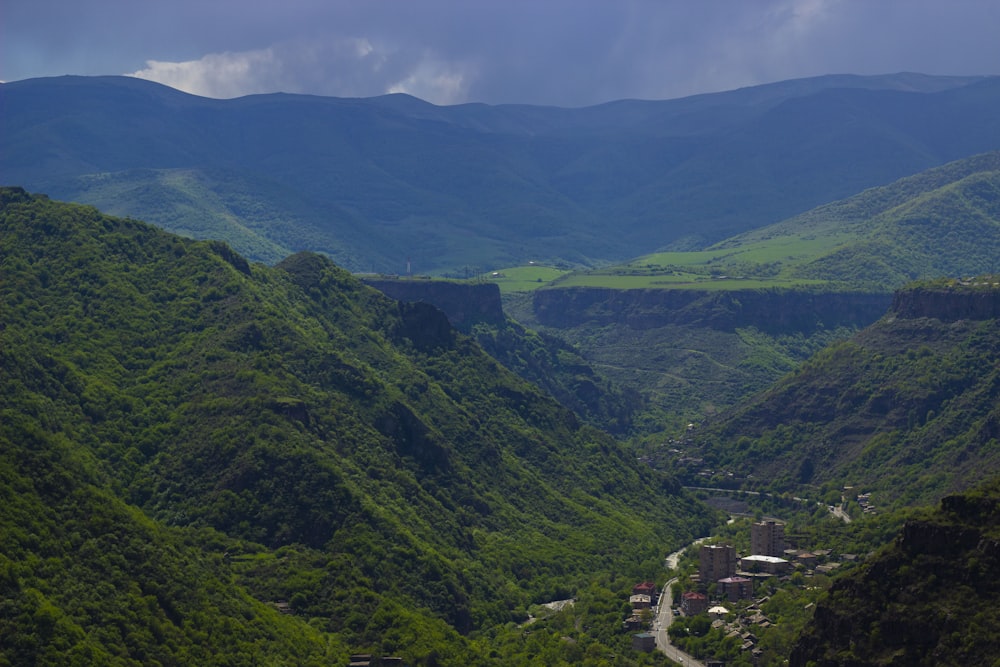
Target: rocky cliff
<point>950,302</point>
<point>465,304</point>
<point>930,599</point>
<point>773,311</point>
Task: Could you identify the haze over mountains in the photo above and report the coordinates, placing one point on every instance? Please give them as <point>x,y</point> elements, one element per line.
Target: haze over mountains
<point>375,182</point>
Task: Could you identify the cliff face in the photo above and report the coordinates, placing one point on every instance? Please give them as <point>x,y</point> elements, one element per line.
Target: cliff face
<point>774,311</point>
<point>464,304</point>
<point>929,600</point>
<point>949,304</point>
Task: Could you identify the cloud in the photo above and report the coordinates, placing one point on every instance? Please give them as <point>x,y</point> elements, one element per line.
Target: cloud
<point>564,52</point>
<point>341,66</point>
<point>220,75</point>
<point>437,82</point>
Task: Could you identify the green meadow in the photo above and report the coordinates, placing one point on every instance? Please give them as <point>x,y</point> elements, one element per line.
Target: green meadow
<point>525,278</point>
<point>728,266</point>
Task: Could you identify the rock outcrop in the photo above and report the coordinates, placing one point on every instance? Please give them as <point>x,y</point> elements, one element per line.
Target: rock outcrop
<point>769,310</point>
<point>930,599</point>
<point>950,303</point>
<point>465,304</point>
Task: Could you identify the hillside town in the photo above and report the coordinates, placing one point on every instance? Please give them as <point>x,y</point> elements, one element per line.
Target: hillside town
<point>730,590</point>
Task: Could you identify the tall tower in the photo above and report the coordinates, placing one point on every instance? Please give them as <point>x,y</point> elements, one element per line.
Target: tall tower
<point>767,538</point>
<point>716,561</point>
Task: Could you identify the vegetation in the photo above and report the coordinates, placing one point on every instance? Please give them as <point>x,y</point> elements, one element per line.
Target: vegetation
<point>377,183</point>
<point>941,222</point>
<point>558,368</point>
<point>905,409</point>
<point>686,373</point>
<point>525,278</point>
<point>196,438</point>
<point>204,460</point>
<point>927,599</point>
<point>696,332</point>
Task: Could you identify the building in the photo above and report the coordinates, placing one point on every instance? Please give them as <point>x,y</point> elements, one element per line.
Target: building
<point>646,588</point>
<point>767,538</point>
<point>718,611</point>
<point>640,601</point>
<point>644,642</point>
<point>766,564</point>
<point>632,623</point>
<point>716,561</point>
<point>736,588</point>
<point>693,603</point>
<point>807,559</point>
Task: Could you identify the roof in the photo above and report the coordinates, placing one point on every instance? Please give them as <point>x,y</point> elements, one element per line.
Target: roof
<point>734,580</point>
<point>718,610</point>
<point>764,559</point>
<point>694,595</point>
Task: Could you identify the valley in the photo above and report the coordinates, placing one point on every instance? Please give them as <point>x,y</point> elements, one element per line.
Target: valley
<point>237,427</point>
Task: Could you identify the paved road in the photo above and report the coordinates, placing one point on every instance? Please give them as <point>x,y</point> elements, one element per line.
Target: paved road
<point>665,616</point>
<point>662,620</point>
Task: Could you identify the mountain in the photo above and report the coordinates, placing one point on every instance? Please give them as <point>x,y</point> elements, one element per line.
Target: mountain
<point>928,599</point>
<point>906,409</point>
<point>193,444</point>
<point>940,222</point>
<point>374,183</point>
<point>475,308</point>
<point>697,331</point>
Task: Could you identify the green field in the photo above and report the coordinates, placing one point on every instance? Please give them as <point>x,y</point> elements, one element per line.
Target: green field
<point>761,264</point>
<point>524,278</point>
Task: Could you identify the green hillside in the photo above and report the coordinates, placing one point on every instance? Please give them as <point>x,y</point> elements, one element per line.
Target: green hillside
<point>906,409</point>
<point>695,332</point>
<point>189,438</point>
<point>941,222</point>
<point>378,183</point>
<point>930,598</point>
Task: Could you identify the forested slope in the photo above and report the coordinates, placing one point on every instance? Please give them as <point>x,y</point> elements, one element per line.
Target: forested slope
<point>930,598</point>
<point>907,407</point>
<point>207,436</point>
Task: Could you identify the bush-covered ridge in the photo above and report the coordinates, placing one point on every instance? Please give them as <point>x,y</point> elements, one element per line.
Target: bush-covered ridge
<point>280,434</point>
<point>906,408</point>
<point>928,599</point>
<point>940,222</point>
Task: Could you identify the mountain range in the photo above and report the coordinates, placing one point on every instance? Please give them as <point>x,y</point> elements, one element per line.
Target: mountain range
<point>392,182</point>
<point>206,459</point>
<point>696,332</point>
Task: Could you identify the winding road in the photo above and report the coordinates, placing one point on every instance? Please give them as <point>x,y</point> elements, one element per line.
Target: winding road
<point>665,616</point>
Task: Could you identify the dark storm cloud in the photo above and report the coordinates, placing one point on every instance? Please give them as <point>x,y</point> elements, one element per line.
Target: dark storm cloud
<point>567,52</point>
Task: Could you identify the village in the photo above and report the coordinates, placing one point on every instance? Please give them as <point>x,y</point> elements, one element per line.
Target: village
<point>728,591</point>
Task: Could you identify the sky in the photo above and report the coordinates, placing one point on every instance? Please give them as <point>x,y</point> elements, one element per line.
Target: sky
<point>552,52</point>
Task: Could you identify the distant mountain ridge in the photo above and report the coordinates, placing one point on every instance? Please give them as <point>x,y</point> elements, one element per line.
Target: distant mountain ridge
<point>373,182</point>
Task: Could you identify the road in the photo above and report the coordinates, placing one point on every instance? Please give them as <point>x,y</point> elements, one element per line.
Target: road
<point>665,616</point>
<point>833,509</point>
<point>838,512</point>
